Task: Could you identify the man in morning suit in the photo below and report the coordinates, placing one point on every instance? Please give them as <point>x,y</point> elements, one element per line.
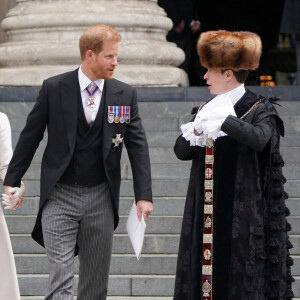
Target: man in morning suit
<point>88,116</point>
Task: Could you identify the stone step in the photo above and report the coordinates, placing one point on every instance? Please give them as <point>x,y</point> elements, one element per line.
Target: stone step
<point>162,124</point>
<point>167,206</point>
<point>178,188</point>
<point>295,240</point>
<point>174,109</point>
<point>123,264</point>
<point>296,266</point>
<point>182,171</point>
<point>155,224</point>
<point>291,124</point>
<point>289,108</point>
<point>158,171</point>
<point>16,109</point>
<point>163,206</point>
<point>153,244</point>
<point>290,140</point>
<point>164,140</point>
<point>294,206</point>
<point>290,155</point>
<point>158,124</point>
<point>146,109</point>
<point>164,171</point>
<point>127,285</point>
<point>291,171</point>
<point>157,155</point>
<point>295,223</point>
<point>150,109</point>
<point>161,148</point>
<point>160,188</point>
<point>150,124</point>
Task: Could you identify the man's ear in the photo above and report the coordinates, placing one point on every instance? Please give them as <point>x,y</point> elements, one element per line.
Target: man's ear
<point>89,55</point>
<point>229,75</point>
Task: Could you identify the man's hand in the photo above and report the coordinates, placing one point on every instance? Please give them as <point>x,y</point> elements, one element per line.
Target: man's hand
<point>13,196</point>
<point>144,207</point>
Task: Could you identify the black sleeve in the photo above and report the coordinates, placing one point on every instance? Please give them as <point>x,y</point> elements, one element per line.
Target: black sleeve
<point>182,148</point>
<point>138,153</point>
<point>255,135</point>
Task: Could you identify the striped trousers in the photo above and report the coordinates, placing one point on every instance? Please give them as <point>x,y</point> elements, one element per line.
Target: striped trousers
<point>84,215</point>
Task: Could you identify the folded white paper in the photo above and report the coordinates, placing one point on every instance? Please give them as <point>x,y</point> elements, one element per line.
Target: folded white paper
<point>136,230</point>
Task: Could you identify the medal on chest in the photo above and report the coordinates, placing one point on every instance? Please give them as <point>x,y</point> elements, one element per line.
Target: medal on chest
<point>122,120</point>
<point>91,92</point>
<point>118,114</point>
<point>90,102</point>
<point>110,116</point>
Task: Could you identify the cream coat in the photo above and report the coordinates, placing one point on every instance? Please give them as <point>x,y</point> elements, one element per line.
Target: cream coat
<point>9,289</point>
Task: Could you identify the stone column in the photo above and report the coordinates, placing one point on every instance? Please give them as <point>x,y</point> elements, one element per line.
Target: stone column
<point>5,5</point>
<point>43,41</point>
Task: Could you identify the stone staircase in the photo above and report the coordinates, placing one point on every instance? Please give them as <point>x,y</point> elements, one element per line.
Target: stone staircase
<point>152,277</point>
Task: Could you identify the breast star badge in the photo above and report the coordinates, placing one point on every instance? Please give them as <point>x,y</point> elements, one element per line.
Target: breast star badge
<point>117,140</point>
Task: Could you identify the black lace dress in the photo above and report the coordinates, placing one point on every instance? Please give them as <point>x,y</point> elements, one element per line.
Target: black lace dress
<point>250,243</point>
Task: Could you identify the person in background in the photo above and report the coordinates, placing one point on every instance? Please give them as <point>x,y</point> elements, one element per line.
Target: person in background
<point>290,24</point>
<point>9,288</point>
<point>234,243</point>
<point>88,116</point>
<point>183,14</point>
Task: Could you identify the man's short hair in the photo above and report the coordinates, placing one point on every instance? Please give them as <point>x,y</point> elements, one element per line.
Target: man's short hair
<point>240,75</point>
<point>94,38</point>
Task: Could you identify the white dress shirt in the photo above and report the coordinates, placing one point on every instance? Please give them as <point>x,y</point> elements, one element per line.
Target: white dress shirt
<point>210,118</point>
<point>84,82</point>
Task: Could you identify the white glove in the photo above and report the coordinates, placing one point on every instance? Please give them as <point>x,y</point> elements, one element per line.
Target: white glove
<point>210,121</point>
<point>213,125</point>
<point>17,192</point>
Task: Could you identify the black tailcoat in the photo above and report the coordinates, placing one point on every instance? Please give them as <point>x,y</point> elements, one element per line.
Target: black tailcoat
<point>56,110</point>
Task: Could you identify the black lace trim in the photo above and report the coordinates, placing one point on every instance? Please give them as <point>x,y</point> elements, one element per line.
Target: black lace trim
<point>274,258</point>
<point>278,278</point>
